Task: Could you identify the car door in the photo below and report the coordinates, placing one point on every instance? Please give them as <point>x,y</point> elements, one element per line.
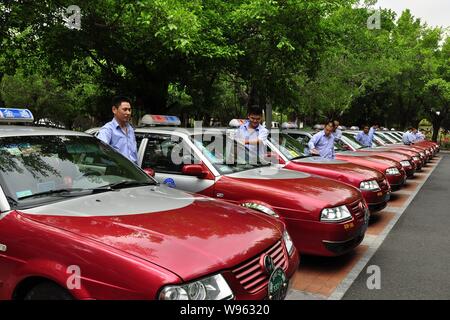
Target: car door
<point>167,154</point>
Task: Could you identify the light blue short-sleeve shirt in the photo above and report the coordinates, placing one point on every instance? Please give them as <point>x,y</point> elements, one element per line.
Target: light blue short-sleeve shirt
<point>112,134</point>
<point>259,133</point>
<point>323,144</point>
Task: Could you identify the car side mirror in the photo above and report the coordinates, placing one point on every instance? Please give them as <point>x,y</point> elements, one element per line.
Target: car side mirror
<point>149,172</point>
<point>195,170</point>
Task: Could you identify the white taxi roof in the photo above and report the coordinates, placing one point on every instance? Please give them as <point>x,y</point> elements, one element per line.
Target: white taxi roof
<point>14,131</point>
<point>159,120</point>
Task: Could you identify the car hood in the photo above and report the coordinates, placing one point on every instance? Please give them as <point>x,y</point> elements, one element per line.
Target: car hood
<point>338,169</point>
<point>397,156</point>
<point>188,235</point>
<point>290,189</point>
<point>397,150</point>
<point>368,157</point>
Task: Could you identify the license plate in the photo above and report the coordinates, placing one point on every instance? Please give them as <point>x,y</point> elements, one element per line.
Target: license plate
<point>278,285</point>
<point>388,196</point>
<point>366,222</point>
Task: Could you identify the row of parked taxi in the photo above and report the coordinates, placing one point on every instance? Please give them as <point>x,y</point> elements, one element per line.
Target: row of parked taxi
<point>199,217</point>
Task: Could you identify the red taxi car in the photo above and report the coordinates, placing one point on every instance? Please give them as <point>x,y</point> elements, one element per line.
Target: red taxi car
<point>80,221</point>
<point>385,140</point>
<point>407,161</point>
<point>427,143</point>
<point>294,156</point>
<point>393,170</point>
<point>349,137</point>
<point>323,216</point>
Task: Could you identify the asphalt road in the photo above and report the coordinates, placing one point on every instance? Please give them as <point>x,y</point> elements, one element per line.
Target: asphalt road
<point>414,259</point>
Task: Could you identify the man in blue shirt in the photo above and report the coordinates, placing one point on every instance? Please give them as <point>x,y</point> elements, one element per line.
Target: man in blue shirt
<point>409,137</point>
<point>118,133</point>
<point>336,131</point>
<point>252,133</point>
<point>420,135</point>
<point>322,143</point>
<point>365,137</point>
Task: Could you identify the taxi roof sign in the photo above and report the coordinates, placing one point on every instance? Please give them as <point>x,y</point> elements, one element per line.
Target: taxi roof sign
<point>159,120</point>
<point>235,123</point>
<point>15,115</point>
<point>288,125</point>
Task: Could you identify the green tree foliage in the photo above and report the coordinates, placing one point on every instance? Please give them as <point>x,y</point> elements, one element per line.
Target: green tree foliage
<point>206,59</point>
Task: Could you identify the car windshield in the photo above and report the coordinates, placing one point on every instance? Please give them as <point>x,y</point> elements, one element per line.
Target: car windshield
<point>39,169</point>
<point>393,137</point>
<point>340,145</point>
<point>384,138</point>
<point>350,139</point>
<point>387,138</point>
<point>291,148</point>
<point>228,155</point>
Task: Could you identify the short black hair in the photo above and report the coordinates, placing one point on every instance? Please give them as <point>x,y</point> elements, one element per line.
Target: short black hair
<point>254,110</point>
<point>117,100</point>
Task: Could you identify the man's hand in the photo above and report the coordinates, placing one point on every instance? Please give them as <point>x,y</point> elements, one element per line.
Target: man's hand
<point>315,152</point>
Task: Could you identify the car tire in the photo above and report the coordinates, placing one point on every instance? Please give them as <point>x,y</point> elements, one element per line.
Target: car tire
<point>48,291</point>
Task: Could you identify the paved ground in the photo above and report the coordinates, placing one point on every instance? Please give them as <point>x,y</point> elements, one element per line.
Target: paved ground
<point>399,253</point>
<point>414,259</point>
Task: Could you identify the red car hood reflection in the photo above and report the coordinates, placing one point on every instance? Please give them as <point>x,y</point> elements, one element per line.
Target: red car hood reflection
<point>288,189</point>
<point>198,236</point>
<point>336,168</point>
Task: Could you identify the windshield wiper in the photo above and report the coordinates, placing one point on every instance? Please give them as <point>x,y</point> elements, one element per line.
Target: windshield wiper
<point>124,184</point>
<point>50,193</point>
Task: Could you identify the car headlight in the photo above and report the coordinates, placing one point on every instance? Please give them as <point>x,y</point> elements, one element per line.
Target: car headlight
<point>337,214</point>
<point>422,155</point>
<point>211,288</point>
<point>405,163</point>
<point>427,152</point>
<point>260,207</point>
<point>288,242</point>
<point>416,158</point>
<point>369,185</point>
<point>392,171</point>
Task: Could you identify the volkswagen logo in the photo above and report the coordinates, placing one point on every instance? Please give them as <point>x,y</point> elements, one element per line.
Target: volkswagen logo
<point>267,264</point>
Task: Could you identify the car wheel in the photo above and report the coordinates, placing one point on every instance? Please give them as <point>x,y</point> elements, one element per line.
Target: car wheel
<point>48,291</point>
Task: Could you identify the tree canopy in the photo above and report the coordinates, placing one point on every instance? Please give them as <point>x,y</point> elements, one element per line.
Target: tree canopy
<point>205,59</point>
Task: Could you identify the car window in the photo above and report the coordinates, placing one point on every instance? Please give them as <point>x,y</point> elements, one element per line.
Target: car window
<point>229,155</point>
<point>340,145</point>
<point>290,147</point>
<point>167,154</point>
<point>350,139</point>
<point>139,138</point>
<point>300,137</point>
<point>36,164</point>
<point>383,137</point>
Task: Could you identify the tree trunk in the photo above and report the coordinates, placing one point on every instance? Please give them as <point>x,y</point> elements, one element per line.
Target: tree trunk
<point>436,127</point>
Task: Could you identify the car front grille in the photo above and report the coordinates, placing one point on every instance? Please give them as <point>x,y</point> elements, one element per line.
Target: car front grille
<point>357,208</point>
<point>251,274</point>
<point>384,185</point>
